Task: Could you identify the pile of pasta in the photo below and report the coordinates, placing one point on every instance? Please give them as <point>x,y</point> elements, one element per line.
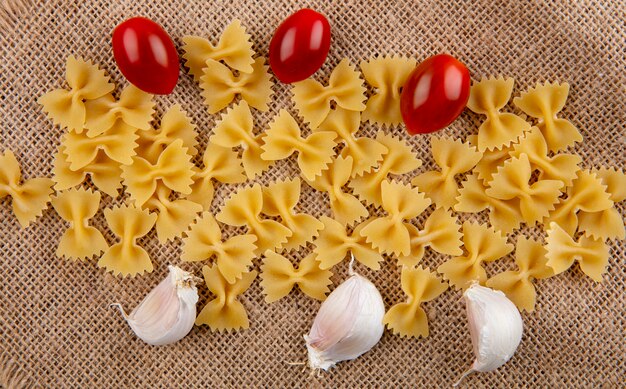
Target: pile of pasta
<point>516,169</point>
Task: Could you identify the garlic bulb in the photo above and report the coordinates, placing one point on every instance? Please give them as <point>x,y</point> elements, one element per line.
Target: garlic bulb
<point>495,327</point>
<point>168,312</point>
<point>348,324</point>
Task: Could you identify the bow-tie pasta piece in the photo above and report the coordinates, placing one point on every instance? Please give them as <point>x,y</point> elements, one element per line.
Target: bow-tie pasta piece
<point>118,143</point>
<point>504,215</point>
<point>234,48</point>
<point>386,75</point>
<point>587,194</point>
<point>441,233</point>
<point>278,277</point>
<point>491,159</point>
<point>80,240</point>
<point>127,258</point>
<point>536,200</point>
<point>345,88</point>
<point>283,139</point>
<point>225,311</point>
<point>346,208</point>
<point>220,86</point>
<point>175,124</point>
<point>609,223</point>
<point>482,244</point>
<point>30,197</point>
<point>400,159</point>
<point>135,108</point>
<point>173,168</point>
<point>366,153</point>
<point>279,199</point>
<point>235,129</point>
<point>244,209</point>
<point>174,216</point>
<point>334,243</point>
<point>488,97</point>
<point>220,164</point>
<point>408,318</point>
<point>105,173</point>
<point>592,255</point>
<point>562,167</point>
<point>233,256</point>
<point>389,234</point>
<point>67,107</point>
<point>544,102</point>
<point>453,157</point>
<point>530,258</point>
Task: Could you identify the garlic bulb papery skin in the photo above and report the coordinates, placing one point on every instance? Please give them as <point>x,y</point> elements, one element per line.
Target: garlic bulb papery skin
<point>496,328</point>
<point>168,312</point>
<point>348,324</point>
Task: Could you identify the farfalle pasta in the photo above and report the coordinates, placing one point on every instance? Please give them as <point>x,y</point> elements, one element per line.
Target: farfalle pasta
<point>105,173</point>
<point>591,254</point>
<point>173,168</point>
<point>219,164</point>
<point>482,244</point>
<point>220,86</point>
<point>488,97</point>
<point>30,197</point>
<point>279,199</point>
<point>235,129</point>
<point>388,233</point>
<point>512,180</point>
<point>453,157</point>
<point>225,311</point>
<point>345,88</point>
<point>587,194</point>
<point>562,167</point>
<point>544,102</point>
<point>174,216</point>
<point>175,124</point>
<point>409,318</point>
<point>126,257</point>
<point>334,243</point>
<point>244,209</point>
<point>279,276</point>
<point>346,208</point>
<point>400,159</point>
<point>134,107</point>
<point>233,256</point>
<point>366,153</point>
<point>441,233</point>
<point>80,240</point>
<point>609,223</point>
<point>283,138</point>
<point>86,82</point>
<point>118,143</point>
<point>531,261</point>
<point>387,76</point>
<point>504,215</point>
<point>234,48</point>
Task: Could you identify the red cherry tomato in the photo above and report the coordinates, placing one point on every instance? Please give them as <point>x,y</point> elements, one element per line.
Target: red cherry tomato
<point>299,46</point>
<point>146,55</point>
<point>435,94</point>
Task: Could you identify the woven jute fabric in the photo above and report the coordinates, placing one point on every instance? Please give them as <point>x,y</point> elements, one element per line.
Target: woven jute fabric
<point>56,327</point>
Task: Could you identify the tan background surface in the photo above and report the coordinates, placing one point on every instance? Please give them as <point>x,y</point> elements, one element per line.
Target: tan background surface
<point>56,329</point>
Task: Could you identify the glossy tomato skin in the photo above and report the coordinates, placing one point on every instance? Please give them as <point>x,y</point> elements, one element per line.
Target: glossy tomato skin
<point>435,94</point>
<point>299,46</point>
<point>146,55</point>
